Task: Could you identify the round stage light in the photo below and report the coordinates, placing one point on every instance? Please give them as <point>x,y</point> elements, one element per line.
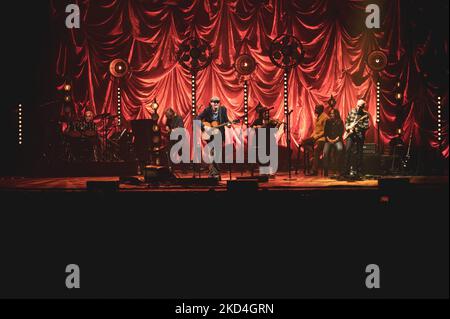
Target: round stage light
<point>377,60</point>
<point>245,64</point>
<point>118,68</point>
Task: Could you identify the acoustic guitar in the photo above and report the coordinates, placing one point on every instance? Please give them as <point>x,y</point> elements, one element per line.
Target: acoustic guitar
<point>211,129</point>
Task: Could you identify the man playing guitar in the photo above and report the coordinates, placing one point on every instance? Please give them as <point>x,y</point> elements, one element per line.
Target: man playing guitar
<point>356,127</point>
<point>215,115</point>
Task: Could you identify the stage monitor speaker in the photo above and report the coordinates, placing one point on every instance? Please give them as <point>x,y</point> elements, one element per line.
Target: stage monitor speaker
<point>157,174</point>
<point>393,184</point>
<point>102,186</point>
<point>243,185</point>
<point>260,178</point>
<point>197,181</point>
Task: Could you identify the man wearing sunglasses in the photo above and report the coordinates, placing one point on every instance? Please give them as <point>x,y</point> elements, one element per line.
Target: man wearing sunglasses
<point>215,115</point>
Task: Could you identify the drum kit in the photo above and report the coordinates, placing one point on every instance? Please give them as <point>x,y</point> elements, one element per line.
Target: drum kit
<point>83,142</point>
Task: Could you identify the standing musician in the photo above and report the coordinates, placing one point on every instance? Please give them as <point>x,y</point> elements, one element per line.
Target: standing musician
<point>215,115</point>
<point>317,139</point>
<point>334,129</point>
<point>356,126</point>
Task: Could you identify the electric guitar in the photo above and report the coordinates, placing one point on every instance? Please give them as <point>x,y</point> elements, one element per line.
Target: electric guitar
<point>350,129</point>
<point>408,153</point>
<point>211,129</point>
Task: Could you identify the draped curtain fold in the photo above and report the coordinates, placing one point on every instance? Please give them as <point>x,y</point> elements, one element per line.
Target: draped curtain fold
<point>148,33</point>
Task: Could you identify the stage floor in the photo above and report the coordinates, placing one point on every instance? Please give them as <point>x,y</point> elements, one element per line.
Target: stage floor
<point>280,183</point>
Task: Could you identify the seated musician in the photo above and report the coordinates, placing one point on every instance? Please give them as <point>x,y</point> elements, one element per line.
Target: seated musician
<point>173,120</point>
<point>261,117</point>
<point>88,129</point>
<point>317,139</point>
<point>215,114</point>
<point>334,129</point>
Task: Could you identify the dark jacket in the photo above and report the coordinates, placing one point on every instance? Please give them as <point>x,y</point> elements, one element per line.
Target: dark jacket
<point>334,129</point>
<point>207,116</point>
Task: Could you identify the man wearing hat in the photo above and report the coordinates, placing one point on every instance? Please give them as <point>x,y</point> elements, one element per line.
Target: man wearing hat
<point>215,113</point>
<point>359,119</point>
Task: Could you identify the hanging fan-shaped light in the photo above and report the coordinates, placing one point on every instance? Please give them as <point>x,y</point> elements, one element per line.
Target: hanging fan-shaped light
<point>286,52</point>
<point>194,54</point>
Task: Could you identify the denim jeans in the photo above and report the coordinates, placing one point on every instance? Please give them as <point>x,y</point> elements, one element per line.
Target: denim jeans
<point>339,148</point>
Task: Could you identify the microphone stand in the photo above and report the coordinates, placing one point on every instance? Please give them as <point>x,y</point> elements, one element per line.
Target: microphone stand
<point>288,140</point>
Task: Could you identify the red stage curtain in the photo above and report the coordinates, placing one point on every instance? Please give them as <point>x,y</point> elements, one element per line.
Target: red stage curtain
<point>148,33</point>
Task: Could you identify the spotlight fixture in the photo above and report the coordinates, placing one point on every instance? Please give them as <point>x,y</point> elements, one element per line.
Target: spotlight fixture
<point>67,87</point>
<point>118,68</point>
<point>155,105</point>
<point>377,60</point>
<point>245,64</point>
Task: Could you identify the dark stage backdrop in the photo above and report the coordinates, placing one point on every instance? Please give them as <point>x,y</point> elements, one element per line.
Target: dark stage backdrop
<point>147,34</point>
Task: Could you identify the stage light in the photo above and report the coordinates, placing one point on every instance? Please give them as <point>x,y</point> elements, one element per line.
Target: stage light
<point>67,87</point>
<point>377,60</point>
<point>398,96</point>
<point>118,68</point>
<point>245,65</point>
<point>194,95</point>
<point>439,120</point>
<point>20,131</point>
<point>119,106</point>
<point>378,120</point>
<point>155,105</point>
<point>246,102</point>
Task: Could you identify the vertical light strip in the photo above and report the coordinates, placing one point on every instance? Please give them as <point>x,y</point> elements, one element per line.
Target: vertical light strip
<point>286,94</point>
<point>378,101</point>
<point>439,121</point>
<point>194,95</point>
<point>119,106</point>
<point>20,124</point>
<point>246,102</point>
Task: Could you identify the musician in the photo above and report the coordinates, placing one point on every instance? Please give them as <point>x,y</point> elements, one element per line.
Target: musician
<point>173,120</point>
<point>88,129</point>
<point>358,117</point>
<point>334,129</point>
<point>262,117</point>
<point>215,113</point>
<point>317,140</point>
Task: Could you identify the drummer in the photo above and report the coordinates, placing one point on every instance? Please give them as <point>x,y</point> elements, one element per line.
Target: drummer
<point>88,124</point>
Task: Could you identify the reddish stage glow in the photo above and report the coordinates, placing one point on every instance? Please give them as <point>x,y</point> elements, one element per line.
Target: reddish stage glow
<point>336,42</point>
